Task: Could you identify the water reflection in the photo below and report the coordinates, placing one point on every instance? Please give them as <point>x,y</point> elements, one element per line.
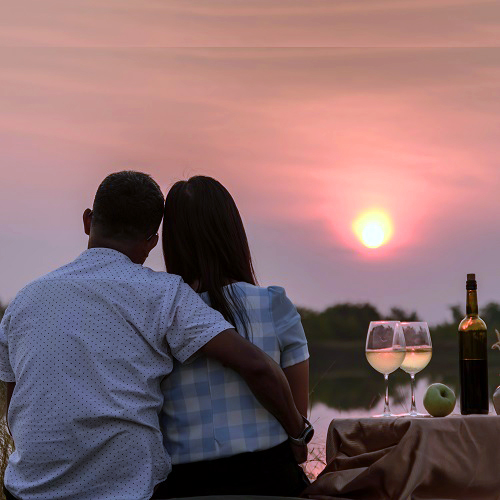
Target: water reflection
<point>322,414</point>
<point>363,392</point>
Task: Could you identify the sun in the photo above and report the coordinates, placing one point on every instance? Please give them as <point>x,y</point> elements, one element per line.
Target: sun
<point>373,228</point>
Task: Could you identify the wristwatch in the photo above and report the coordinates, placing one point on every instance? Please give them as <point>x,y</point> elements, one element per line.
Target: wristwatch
<point>305,436</point>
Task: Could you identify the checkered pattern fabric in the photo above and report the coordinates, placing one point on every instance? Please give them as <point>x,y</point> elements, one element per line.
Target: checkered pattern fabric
<point>209,412</point>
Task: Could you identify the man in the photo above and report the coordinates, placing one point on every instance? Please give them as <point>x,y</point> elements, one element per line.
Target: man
<point>84,348</point>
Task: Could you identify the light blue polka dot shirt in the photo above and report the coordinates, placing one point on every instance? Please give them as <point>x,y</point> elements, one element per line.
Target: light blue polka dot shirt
<point>87,346</point>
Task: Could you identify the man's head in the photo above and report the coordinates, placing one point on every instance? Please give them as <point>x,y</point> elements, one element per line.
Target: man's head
<point>126,215</point>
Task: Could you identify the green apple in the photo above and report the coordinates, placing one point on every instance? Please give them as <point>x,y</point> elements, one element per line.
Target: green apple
<point>439,400</point>
<point>496,400</point>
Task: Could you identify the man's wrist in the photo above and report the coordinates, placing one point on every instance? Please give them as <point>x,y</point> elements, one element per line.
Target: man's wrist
<point>296,424</point>
<point>305,435</point>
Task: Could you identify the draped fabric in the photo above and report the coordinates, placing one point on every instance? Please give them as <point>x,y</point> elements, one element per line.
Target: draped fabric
<point>401,458</point>
<point>237,497</point>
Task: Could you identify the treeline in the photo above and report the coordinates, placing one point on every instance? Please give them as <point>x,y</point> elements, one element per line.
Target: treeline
<point>346,322</point>
<point>349,322</point>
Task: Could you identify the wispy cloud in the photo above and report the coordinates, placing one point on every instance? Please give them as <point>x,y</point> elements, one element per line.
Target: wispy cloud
<point>260,23</point>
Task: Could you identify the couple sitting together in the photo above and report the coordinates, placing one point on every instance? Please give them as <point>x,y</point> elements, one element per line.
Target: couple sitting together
<point>128,384</point>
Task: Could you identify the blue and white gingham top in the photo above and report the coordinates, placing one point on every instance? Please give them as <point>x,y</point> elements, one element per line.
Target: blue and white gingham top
<point>209,412</point>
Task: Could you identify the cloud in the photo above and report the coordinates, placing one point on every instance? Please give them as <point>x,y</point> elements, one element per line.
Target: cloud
<point>260,23</point>
<point>316,114</point>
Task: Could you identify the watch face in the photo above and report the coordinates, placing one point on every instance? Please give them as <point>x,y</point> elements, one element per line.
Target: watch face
<point>309,433</point>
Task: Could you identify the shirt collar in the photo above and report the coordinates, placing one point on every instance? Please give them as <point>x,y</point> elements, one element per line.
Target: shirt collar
<point>110,253</point>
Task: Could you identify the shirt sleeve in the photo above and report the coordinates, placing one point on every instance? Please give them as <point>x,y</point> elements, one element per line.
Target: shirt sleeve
<point>6,373</point>
<point>289,330</point>
<point>193,324</point>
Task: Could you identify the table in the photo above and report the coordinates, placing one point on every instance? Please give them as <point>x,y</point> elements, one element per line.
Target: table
<point>237,497</point>
<point>401,458</point>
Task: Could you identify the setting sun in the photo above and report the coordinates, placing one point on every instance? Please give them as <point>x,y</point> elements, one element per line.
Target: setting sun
<point>373,228</point>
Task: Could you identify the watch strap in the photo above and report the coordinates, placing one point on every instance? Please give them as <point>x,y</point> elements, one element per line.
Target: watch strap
<point>305,436</point>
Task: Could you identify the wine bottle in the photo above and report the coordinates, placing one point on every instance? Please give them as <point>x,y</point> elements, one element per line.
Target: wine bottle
<point>473,356</point>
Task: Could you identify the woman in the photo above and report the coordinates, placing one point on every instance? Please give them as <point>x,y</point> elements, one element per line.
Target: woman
<point>220,438</point>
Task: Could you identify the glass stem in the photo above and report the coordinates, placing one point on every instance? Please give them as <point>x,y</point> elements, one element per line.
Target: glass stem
<point>387,410</point>
<point>413,409</point>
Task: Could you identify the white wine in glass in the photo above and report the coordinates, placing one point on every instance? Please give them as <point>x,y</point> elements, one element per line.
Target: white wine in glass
<point>385,361</point>
<point>418,355</point>
<point>385,351</point>
<point>416,359</point>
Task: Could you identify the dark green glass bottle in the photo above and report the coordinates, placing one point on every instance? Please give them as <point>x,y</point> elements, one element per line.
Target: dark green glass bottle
<point>473,352</point>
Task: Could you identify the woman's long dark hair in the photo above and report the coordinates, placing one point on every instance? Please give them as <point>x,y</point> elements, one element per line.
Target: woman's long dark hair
<point>204,242</point>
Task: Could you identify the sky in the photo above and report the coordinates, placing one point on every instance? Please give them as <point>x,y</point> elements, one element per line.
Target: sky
<point>310,112</point>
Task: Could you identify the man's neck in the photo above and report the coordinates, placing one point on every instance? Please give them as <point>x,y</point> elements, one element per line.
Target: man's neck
<point>123,247</point>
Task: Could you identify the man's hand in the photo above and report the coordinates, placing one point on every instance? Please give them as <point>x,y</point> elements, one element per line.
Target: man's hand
<point>263,375</point>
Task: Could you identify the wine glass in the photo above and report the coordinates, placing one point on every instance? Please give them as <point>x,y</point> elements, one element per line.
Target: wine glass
<point>418,354</point>
<point>385,351</point>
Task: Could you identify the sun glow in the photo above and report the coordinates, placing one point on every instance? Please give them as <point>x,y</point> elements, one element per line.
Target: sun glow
<point>373,228</point>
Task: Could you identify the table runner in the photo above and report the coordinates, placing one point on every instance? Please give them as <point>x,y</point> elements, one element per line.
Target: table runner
<point>456,457</point>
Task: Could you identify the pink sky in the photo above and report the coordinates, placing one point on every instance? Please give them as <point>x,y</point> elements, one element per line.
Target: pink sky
<point>304,137</point>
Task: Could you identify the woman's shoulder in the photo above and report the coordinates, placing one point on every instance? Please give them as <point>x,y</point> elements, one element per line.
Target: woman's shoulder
<point>272,299</point>
<point>278,296</point>
<point>274,293</point>
<point>287,327</point>
<point>280,304</point>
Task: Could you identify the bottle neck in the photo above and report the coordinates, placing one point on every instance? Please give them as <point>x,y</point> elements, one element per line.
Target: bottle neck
<point>471,307</point>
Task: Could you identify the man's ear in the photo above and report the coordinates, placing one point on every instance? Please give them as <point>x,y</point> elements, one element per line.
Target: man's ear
<point>153,242</point>
<point>87,221</point>
<point>148,246</point>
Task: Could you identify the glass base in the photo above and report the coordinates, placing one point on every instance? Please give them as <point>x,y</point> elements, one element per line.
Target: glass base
<point>412,414</point>
<point>384,415</point>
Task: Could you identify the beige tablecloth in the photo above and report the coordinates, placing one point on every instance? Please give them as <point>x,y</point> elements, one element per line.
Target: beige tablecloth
<point>456,457</point>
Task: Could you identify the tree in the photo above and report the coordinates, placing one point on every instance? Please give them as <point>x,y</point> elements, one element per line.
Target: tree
<point>340,322</point>
<point>457,313</point>
<point>401,315</point>
<point>490,313</point>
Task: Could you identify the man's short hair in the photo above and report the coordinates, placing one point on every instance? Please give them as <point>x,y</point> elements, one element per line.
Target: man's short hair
<point>128,205</point>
